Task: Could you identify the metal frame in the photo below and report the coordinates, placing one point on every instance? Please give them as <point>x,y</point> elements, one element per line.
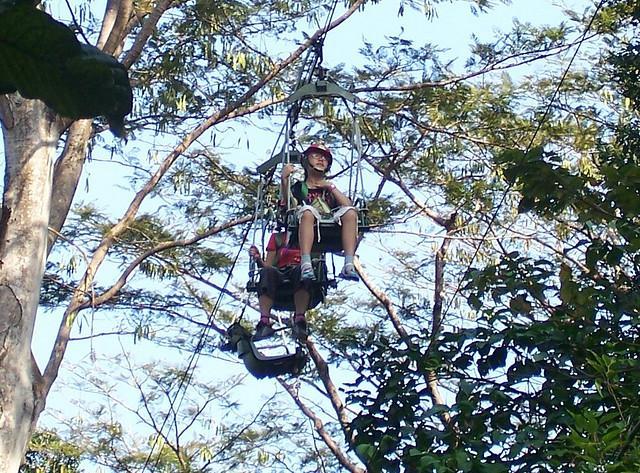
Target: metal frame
<point>321,88</point>
<point>259,365</point>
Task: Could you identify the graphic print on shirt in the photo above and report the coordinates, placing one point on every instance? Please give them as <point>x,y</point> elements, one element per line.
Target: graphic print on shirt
<point>322,201</point>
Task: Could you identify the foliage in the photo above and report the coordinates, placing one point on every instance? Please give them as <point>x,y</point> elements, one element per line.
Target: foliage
<point>545,375</point>
<point>48,453</point>
<point>215,434</point>
<point>42,59</point>
<point>541,376</point>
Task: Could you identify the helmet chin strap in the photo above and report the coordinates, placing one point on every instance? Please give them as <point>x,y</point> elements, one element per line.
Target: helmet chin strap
<point>306,161</point>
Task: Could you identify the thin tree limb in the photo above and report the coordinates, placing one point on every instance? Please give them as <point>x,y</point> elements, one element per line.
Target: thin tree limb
<point>148,27</point>
<point>332,391</point>
<point>66,175</point>
<point>318,425</point>
<point>122,280</point>
<point>429,376</point>
<point>499,65</point>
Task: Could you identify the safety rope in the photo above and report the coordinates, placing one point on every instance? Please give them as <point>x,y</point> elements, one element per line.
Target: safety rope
<point>315,58</point>
<point>193,360</point>
<point>356,180</point>
<point>311,66</point>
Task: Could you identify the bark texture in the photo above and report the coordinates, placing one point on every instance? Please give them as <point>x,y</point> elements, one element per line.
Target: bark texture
<point>30,133</point>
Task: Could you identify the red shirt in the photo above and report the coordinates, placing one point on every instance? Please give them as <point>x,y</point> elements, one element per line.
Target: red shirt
<point>285,256</point>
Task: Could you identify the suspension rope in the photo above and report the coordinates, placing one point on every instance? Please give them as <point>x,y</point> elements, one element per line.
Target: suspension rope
<point>311,65</point>
<point>193,360</point>
<point>328,21</point>
<point>355,182</point>
<point>313,59</point>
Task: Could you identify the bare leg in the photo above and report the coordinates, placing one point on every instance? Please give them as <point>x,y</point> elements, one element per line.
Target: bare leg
<point>301,300</point>
<point>349,229</point>
<point>306,232</point>
<point>265,303</point>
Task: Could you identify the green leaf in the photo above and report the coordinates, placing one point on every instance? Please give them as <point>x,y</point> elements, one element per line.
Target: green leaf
<point>462,460</point>
<point>42,59</point>
<point>365,451</point>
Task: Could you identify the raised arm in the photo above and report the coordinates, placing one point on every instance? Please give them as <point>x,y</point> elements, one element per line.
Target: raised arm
<point>341,199</point>
<point>337,194</point>
<point>287,169</point>
<point>270,259</point>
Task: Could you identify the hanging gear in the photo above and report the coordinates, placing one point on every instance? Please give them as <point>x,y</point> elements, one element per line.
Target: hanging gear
<point>258,363</point>
<point>329,239</point>
<point>260,359</point>
<point>283,300</point>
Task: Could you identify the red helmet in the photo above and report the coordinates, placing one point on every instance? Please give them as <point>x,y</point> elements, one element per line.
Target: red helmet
<point>322,149</point>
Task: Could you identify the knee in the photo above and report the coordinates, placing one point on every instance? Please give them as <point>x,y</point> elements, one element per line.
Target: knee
<point>267,273</point>
<point>307,218</point>
<point>350,216</point>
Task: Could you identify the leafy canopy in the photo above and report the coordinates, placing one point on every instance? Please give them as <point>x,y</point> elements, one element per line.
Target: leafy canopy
<point>42,59</point>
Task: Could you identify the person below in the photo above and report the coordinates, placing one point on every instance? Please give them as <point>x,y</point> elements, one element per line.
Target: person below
<point>281,263</point>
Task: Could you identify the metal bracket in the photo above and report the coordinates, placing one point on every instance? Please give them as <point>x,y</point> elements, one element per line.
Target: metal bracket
<point>321,88</point>
<point>294,157</point>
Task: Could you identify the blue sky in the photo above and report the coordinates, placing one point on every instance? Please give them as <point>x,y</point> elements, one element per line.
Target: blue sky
<point>451,29</point>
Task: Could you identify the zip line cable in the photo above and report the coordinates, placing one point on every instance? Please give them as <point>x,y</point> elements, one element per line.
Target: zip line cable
<point>494,215</point>
<point>315,57</point>
<point>312,63</point>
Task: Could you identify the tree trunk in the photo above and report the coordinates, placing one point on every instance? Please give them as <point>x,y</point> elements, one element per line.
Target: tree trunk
<point>31,132</point>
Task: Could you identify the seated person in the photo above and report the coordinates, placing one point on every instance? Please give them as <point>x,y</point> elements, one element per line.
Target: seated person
<point>281,262</point>
<point>319,197</point>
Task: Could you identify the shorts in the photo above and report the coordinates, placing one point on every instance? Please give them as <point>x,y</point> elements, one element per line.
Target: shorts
<point>336,215</point>
<point>271,279</point>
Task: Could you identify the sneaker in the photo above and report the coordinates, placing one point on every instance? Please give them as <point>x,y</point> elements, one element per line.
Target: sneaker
<point>300,330</point>
<point>263,331</point>
<point>349,272</point>
<point>306,272</point>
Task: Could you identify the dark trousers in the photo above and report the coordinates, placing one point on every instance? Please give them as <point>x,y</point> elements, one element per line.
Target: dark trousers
<point>272,280</point>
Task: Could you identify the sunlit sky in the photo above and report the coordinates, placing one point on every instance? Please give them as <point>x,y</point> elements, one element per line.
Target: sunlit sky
<point>451,29</point>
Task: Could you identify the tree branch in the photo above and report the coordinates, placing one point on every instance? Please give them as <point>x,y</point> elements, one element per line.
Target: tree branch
<point>113,290</point>
<point>115,29</point>
<point>332,390</point>
<point>498,65</point>
<point>386,302</point>
<point>437,218</point>
<point>108,20</point>
<point>437,319</point>
<point>66,175</point>
<point>319,428</point>
<point>429,376</point>
<point>78,298</point>
<point>148,27</point>
<point>438,292</point>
